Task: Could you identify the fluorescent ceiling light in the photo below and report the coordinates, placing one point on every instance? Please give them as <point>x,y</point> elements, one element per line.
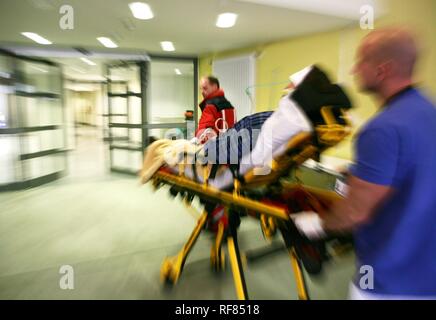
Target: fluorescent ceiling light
<point>177,71</point>
<point>36,37</point>
<point>88,61</point>
<point>107,42</point>
<point>167,46</point>
<point>39,69</point>
<point>141,10</point>
<point>5,75</point>
<point>117,78</point>
<point>77,69</point>
<point>226,20</point>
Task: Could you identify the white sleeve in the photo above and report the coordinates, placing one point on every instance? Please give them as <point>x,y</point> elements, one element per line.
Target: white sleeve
<point>278,129</point>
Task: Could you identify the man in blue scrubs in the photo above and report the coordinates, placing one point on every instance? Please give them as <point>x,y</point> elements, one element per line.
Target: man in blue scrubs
<point>391,200</point>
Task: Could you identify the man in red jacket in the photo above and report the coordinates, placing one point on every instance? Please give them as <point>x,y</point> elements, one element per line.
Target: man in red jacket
<point>218,114</point>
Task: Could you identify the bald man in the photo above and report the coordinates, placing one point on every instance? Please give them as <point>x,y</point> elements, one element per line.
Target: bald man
<point>391,201</point>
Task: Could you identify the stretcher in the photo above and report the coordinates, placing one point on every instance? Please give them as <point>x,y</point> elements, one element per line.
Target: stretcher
<point>268,198</point>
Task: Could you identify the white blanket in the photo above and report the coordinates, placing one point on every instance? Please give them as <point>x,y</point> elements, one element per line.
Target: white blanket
<point>164,151</point>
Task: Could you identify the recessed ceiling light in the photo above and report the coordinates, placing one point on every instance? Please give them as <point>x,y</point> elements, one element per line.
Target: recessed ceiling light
<point>141,10</point>
<point>107,42</point>
<point>167,46</point>
<point>177,71</point>
<point>88,61</point>
<point>36,37</point>
<point>226,20</point>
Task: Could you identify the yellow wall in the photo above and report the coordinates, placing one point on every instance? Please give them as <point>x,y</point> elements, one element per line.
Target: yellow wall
<point>334,51</point>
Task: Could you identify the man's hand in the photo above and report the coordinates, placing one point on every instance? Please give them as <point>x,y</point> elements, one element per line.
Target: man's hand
<point>309,224</point>
<point>194,141</point>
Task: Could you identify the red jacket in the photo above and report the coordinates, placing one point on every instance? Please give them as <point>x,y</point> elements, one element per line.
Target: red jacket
<point>217,114</point>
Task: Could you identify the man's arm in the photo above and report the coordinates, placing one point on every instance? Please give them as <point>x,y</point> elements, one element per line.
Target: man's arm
<point>357,207</point>
<point>369,184</point>
<point>370,179</point>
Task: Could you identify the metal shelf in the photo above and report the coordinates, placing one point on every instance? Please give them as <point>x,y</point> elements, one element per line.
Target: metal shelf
<point>126,147</point>
<point>115,115</point>
<point>47,95</point>
<point>28,129</point>
<point>124,95</point>
<point>109,139</point>
<point>31,183</point>
<point>39,154</point>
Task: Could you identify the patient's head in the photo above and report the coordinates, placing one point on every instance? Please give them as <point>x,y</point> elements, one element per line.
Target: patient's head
<point>295,80</point>
<point>386,58</point>
<point>298,77</point>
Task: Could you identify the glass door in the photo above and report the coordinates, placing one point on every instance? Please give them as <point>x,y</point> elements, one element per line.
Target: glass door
<point>10,171</point>
<point>126,99</point>
<point>149,100</point>
<point>32,123</point>
<point>172,109</point>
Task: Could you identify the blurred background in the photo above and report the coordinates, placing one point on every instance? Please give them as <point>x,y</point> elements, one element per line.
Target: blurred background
<point>86,85</point>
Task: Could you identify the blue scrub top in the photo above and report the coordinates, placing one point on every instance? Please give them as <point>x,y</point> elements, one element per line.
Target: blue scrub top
<point>398,149</point>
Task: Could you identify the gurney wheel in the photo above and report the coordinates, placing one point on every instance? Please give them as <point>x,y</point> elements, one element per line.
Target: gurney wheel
<point>173,191</point>
<point>218,262</point>
<point>167,273</point>
<point>190,198</point>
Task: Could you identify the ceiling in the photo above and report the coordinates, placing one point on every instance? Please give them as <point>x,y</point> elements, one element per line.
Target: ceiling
<point>78,70</point>
<point>189,24</point>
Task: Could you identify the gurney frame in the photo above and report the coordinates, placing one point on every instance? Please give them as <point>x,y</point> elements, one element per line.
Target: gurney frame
<point>272,218</point>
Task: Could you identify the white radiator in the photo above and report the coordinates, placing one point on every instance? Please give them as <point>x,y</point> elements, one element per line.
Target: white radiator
<point>235,76</point>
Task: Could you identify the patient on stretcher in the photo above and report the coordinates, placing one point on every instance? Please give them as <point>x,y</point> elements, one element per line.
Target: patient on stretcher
<point>255,140</point>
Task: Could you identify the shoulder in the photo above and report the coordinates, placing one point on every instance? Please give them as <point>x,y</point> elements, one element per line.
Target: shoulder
<point>403,115</point>
<point>382,129</point>
<point>411,104</point>
<point>220,103</point>
<point>419,97</point>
